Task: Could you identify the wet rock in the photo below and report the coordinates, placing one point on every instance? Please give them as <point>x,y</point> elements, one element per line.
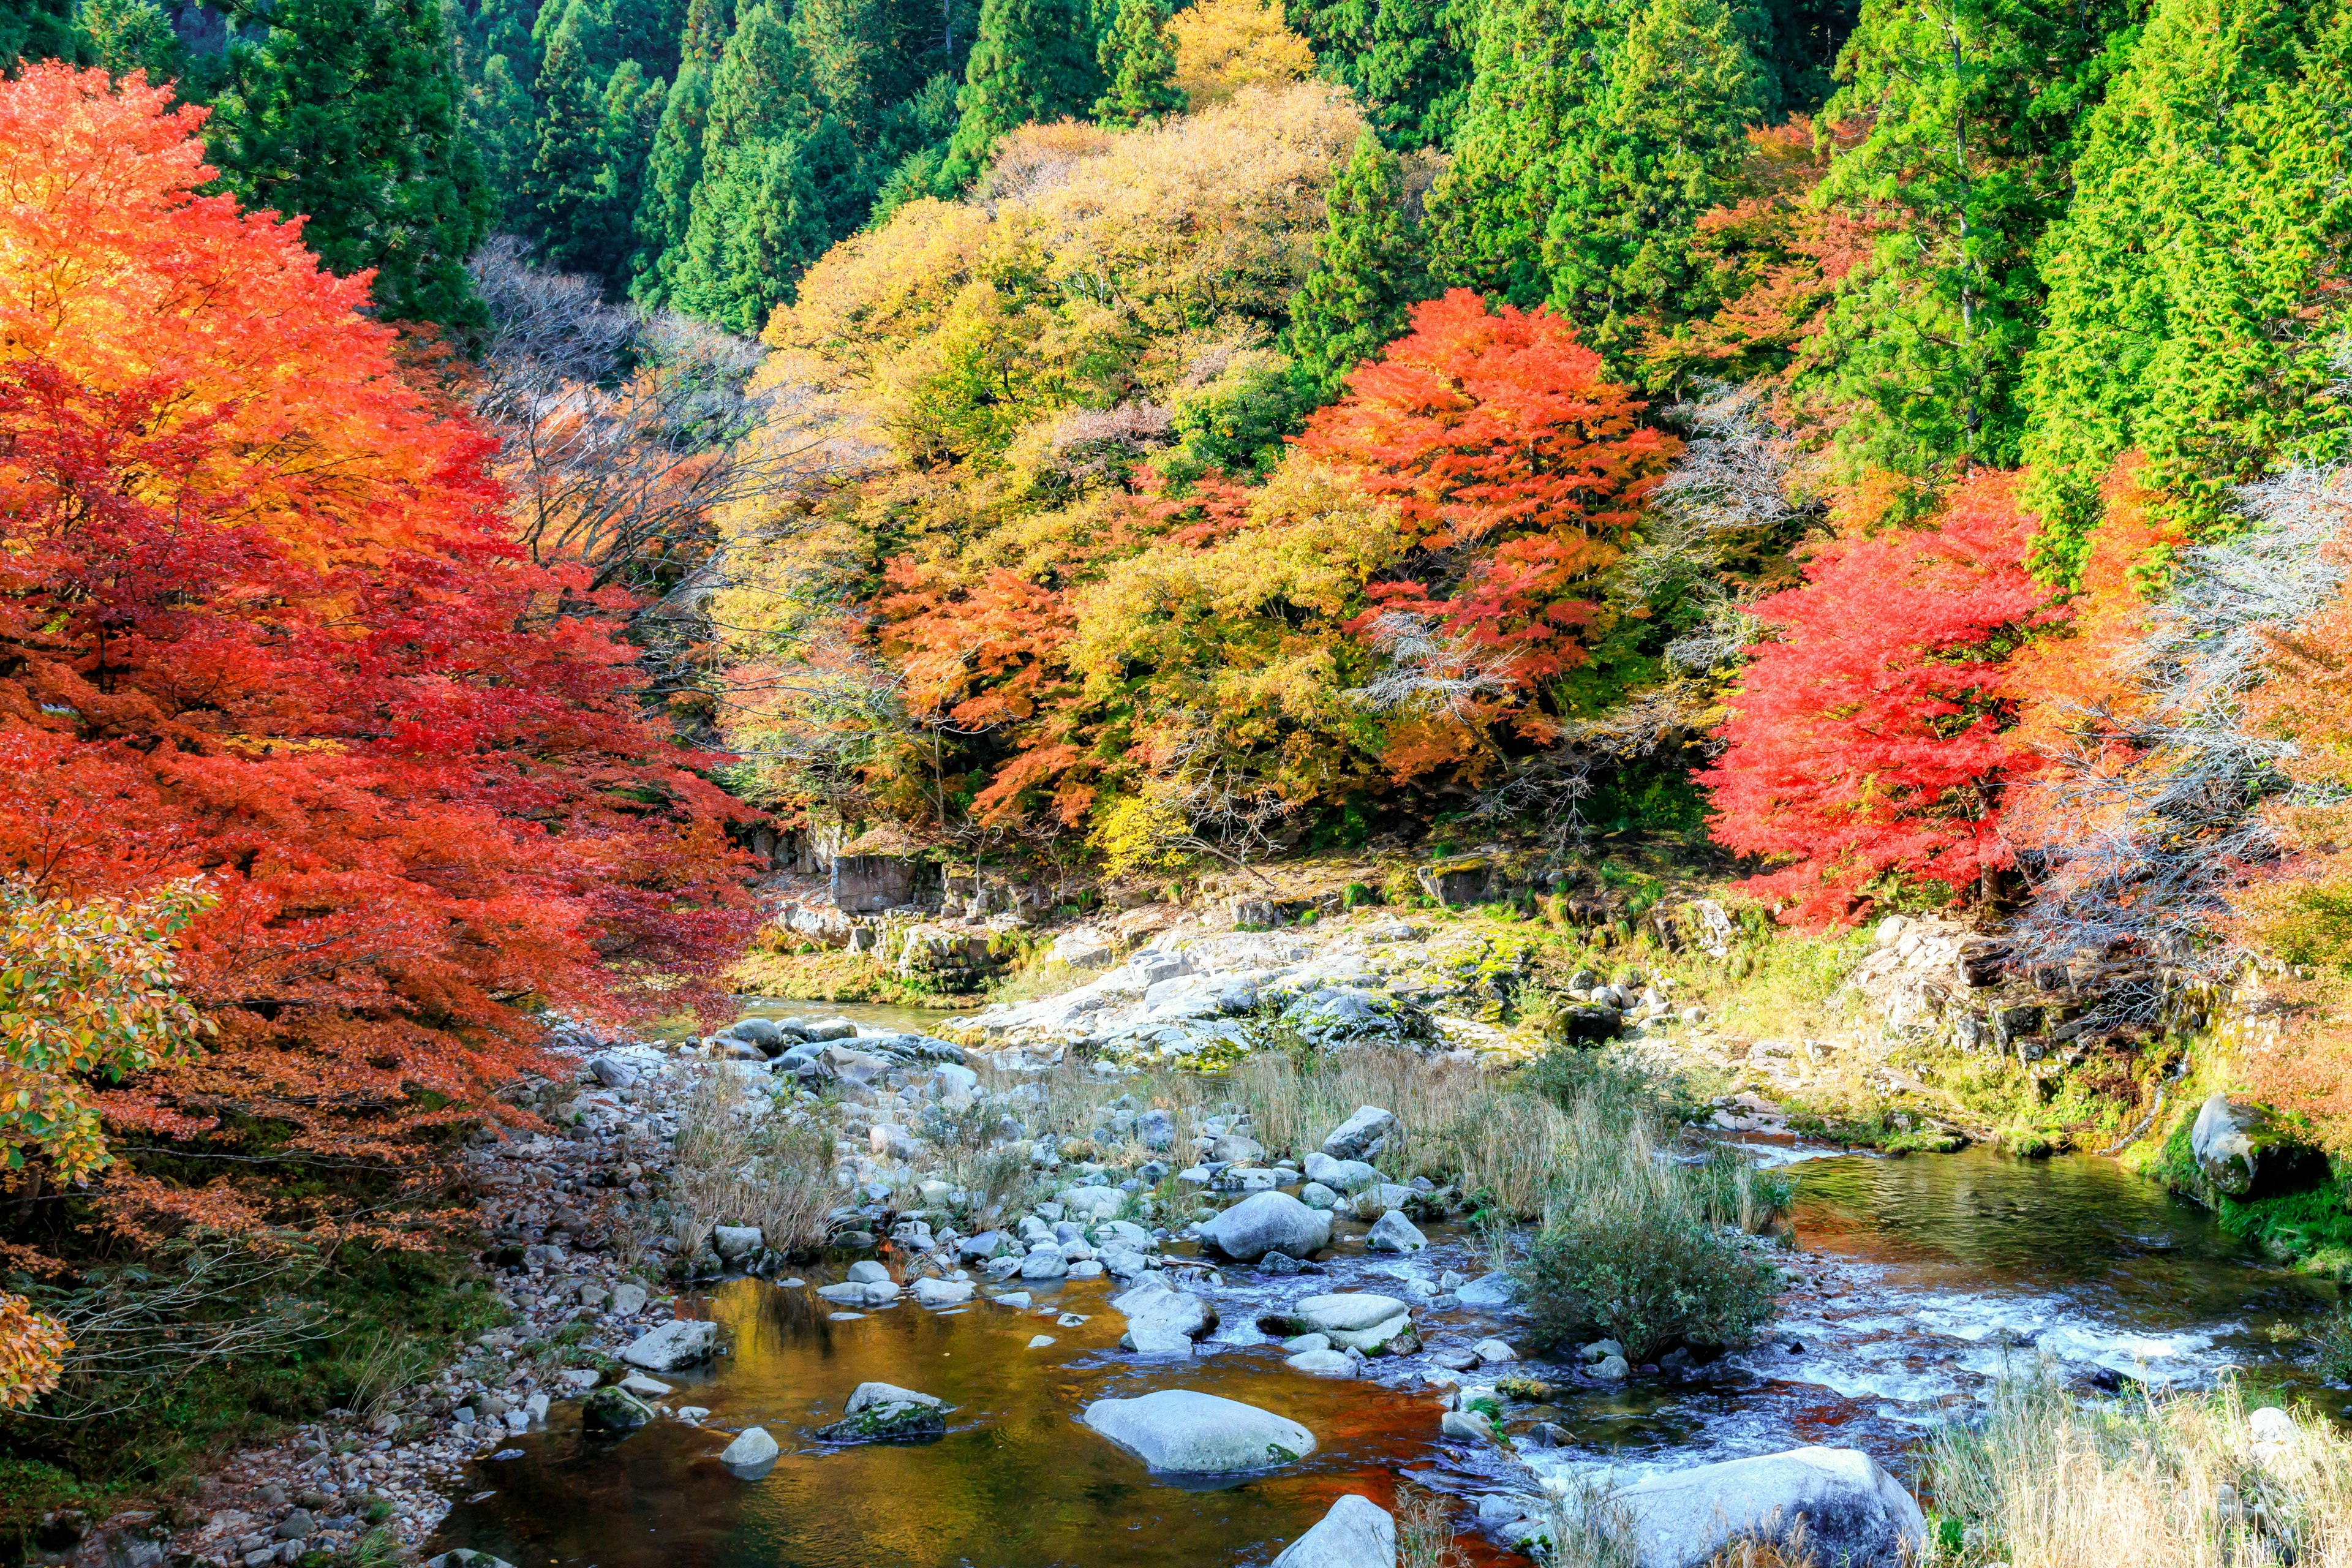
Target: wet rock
<point>1612,1369</point>
<point>1269,1222</point>
<point>646,1387</point>
<point>1278,1263</point>
<point>1488,1291</point>
<point>751,1450</point>
<point>1854,1512</point>
<point>1183,1432</point>
<point>1356,1533</point>
<point>1323,1363</point>
<point>1161,1320</point>
<point>1468,1425</point>
<point>1394,1232</point>
<point>1493,1351</point>
<point>884,1412</point>
<point>942,1292</point>
<point>675,1345</point>
<point>614,1410</point>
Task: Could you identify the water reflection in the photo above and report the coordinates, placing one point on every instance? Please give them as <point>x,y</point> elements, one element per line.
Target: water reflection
<point>1915,1278</point>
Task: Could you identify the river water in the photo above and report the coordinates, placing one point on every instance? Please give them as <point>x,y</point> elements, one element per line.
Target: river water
<point>1915,1280</point>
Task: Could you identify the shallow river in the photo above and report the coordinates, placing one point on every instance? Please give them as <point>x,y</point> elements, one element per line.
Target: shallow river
<point>1915,1278</point>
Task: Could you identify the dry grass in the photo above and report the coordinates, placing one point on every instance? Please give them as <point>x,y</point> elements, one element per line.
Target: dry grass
<point>1459,1123</point>
<point>736,1165</point>
<point>1586,1527</point>
<point>1792,992</point>
<point>2046,1481</point>
<point>1426,1536</point>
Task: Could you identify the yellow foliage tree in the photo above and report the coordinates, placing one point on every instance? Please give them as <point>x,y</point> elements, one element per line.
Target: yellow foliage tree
<point>1224,46</point>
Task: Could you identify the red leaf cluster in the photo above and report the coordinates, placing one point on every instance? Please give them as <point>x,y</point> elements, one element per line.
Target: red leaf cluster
<point>262,622</point>
<point>1517,469</point>
<point>1873,737</point>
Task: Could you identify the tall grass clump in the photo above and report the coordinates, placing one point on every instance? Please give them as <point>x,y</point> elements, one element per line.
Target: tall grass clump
<point>1456,1123</point>
<point>2178,1481</point>
<point>1635,1244</point>
<point>740,1161</point>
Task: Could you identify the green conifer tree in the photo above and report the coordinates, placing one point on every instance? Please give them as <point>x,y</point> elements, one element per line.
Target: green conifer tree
<point>1033,60</point>
<point>1972,112</point>
<point>347,112</point>
<point>500,120</point>
<point>1596,134</point>
<point>1408,61</point>
<point>1369,271</point>
<point>673,166</point>
<point>570,180</point>
<point>782,181</point>
<point>2194,311</point>
<point>43,30</point>
<point>1138,67</point>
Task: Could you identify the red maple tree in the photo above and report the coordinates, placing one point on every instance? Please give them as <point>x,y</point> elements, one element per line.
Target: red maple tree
<point>1871,737</point>
<point>1516,466</point>
<point>262,624</point>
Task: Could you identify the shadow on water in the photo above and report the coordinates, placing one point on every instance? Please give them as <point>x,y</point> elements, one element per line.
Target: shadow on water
<point>1915,1280</point>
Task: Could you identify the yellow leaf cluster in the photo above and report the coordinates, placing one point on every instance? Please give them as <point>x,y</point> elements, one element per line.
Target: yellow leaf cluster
<point>1224,46</point>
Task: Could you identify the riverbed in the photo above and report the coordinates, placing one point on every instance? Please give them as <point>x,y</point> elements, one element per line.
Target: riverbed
<point>1915,1281</point>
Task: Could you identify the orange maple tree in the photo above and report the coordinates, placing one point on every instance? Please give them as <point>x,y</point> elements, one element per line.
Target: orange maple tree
<point>262,625</point>
<point>1516,466</point>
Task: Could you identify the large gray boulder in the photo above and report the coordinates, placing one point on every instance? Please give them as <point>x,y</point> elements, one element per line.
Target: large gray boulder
<point>1353,1137</point>
<point>1340,1175</point>
<point>1182,1432</point>
<point>2237,1145</point>
<point>1356,1533</point>
<point>885,1413</point>
<point>673,1346</point>
<point>1394,1232</point>
<point>1269,1222</point>
<point>751,1449</point>
<point>1855,1512</point>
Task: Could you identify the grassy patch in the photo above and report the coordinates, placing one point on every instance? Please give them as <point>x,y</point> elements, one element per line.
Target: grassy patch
<point>740,1162</point>
<point>2146,1481</point>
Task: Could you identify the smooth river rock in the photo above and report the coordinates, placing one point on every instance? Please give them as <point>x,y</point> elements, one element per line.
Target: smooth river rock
<point>2236,1144</point>
<point>1355,1321</point>
<point>679,1343</point>
<point>1269,1222</point>
<point>751,1449</point>
<point>1855,1512</point>
<point>1182,1432</point>
<point>1356,1533</point>
<point>885,1413</point>
<point>1354,1137</point>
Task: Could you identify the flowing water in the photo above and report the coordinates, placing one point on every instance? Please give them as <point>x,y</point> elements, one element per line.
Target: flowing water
<point>1915,1280</point>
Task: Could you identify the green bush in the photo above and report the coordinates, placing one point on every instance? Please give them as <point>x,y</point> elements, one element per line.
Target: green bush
<point>1649,1276</point>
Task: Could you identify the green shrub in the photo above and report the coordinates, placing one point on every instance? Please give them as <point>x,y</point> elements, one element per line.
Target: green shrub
<point>1647,1276</point>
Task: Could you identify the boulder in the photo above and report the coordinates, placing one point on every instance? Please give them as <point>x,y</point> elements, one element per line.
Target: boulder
<point>1161,1320</point>
<point>612,1410</point>
<point>1487,1290</point>
<point>753,1449</point>
<point>1394,1232</point>
<point>735,1241</point>
<point>1323,1363</point>
<point>942,1292</point>
<point>1855,1512</point>
<point>1234,1149</point>
<point>1084,1204</point>
<point>628,1299</point>
<point>1156,1130</point>
<point>1353,1138</point>
<point>1356,1533</point>
<point>1340,1175</point>
<point>1354,1320</point>
<point>1269,1222</point>
<point>764,1033</point>
<point>885,1413</point>
<point>612,1071</point>
<point>1045,1263</point>
<point>2237,1146</point>
<point>1182,1432</point>
<point>676,1344</point>
<point>1316,1196</point>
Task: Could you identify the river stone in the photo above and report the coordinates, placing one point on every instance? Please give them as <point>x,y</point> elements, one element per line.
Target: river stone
<point>1234,1148</point>
<point>866,1271</point>
<point>1356,1533</point>
<point>628,1299</point>
<point>1339,1175</point>
<point>466,1557</point>
<point>1353,1138</point>
<point>753,1448</point>
<point>1045,1263</point>
<point>1155,1129</point>
<point>1163,1321</point>
<point>1181,1431</point>
<point>733,1241</point>
<point>1348,1312</point>
<point>1855,1512</point>
<point>1323,1363</point>
<point>885,1413</point>
<point>1317,1196</point>
<point>1269,1222</point>
<point>1487,1290</point>
<point>2233,1143</point>
<point>612,1410</point>
<point>1088,1204</point>
<point>678,1344</point>
<point>1394,1232</point>
<point>942,1292</point>
<point>853,1293</point>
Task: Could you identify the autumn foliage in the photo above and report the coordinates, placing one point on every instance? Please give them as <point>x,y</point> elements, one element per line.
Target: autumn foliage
<point>1872,736</point>
<point>262,626</point>
<point>1516,465</point>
